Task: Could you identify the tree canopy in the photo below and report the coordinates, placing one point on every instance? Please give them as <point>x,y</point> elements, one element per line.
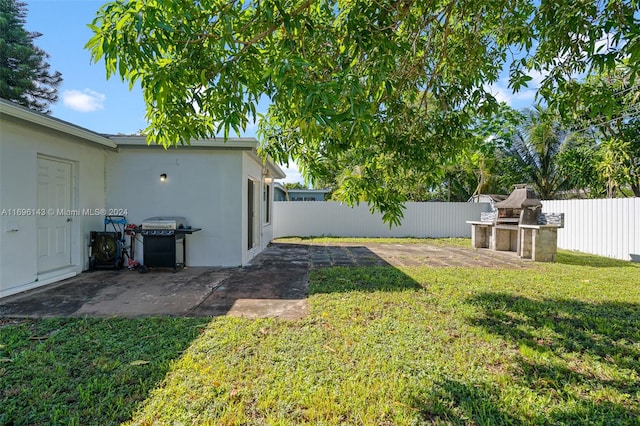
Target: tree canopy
<point>377,89</point>
<point>25,77</point>
<point>533,151</point>
<point>608,109</point>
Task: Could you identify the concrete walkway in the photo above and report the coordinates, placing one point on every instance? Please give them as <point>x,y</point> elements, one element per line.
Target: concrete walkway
<point>275,285</point>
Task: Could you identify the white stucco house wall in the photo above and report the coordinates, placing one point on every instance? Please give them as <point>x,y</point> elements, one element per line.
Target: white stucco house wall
<point>47,167</point>
<point>222,187</point>
<point>56,179</point>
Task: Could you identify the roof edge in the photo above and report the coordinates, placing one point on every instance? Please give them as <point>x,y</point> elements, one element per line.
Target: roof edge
<point>22,113</point>
<point>243,144</point>
<point>230,143</point>
<point>275,169</point>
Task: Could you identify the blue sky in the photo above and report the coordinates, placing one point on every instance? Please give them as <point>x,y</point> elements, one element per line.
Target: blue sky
<point>88,100</point>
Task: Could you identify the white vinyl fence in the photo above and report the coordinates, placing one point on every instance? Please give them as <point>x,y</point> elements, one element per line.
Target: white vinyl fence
<point>607,227</point>
<point>424,220</point>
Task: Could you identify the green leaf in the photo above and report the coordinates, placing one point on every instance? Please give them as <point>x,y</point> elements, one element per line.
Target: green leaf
<point>396,87</point>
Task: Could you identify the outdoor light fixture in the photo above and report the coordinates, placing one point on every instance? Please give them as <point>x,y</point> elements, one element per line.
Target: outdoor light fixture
<point>163,177</point>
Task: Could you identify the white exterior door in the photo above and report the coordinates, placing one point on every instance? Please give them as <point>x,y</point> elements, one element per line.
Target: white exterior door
<point>54,227</point>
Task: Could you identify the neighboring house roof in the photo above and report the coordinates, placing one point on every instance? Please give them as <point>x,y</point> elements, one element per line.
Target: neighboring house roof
<point>280,186</point>
<point>18,112</point>
<point>487,198</point>
<point>310,191</point>
<point>243,144</point>
<point>292,194</point>
<point>492,199</point>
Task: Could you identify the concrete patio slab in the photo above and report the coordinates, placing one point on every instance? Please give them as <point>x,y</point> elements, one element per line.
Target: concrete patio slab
<point>118,293</point>
<point>274,285</point>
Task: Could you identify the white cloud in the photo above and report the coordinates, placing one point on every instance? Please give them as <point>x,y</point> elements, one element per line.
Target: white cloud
<point>500,93</point>
<point>537,77</point>
<point>292,172</point>
<point>522,99</point>
<point>83,101</point>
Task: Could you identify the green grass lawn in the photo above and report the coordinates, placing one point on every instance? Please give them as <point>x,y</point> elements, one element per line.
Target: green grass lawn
<point>549,344</point>
<point>458,242</point>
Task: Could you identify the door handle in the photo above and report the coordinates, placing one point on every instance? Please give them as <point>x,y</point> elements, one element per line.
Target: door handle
<point>69,219</point>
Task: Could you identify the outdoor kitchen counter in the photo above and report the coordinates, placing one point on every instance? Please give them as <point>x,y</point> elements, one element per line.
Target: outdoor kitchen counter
<point>500,236</point>
<point>480,233</point>
<point>538,242</point>
<point>535,242</point>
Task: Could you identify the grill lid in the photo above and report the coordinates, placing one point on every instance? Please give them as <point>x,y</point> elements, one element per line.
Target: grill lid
<point>521,197</point>
<point>164,222</point>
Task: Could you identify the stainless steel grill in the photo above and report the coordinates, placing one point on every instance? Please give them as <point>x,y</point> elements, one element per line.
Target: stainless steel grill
<point>164,223</point>
<point>164,242</point>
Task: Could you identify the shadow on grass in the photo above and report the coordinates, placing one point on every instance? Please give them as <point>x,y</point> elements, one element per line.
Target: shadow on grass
<point>457,403</point>
<point>337,269</point>
<point>585,353</point>
<point>584,259</point>
<point>366,279</point>
<point>86,371</point>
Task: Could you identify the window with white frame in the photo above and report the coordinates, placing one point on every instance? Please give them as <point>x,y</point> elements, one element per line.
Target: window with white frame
<point>266,200</point>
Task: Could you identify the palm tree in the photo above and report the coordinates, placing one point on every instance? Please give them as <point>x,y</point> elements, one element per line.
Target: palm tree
<point>532,152</point>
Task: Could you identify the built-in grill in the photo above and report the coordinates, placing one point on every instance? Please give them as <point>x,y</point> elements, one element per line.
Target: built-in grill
<point>519,225</point>
<point>164,241</point>
<point>522,207</point>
